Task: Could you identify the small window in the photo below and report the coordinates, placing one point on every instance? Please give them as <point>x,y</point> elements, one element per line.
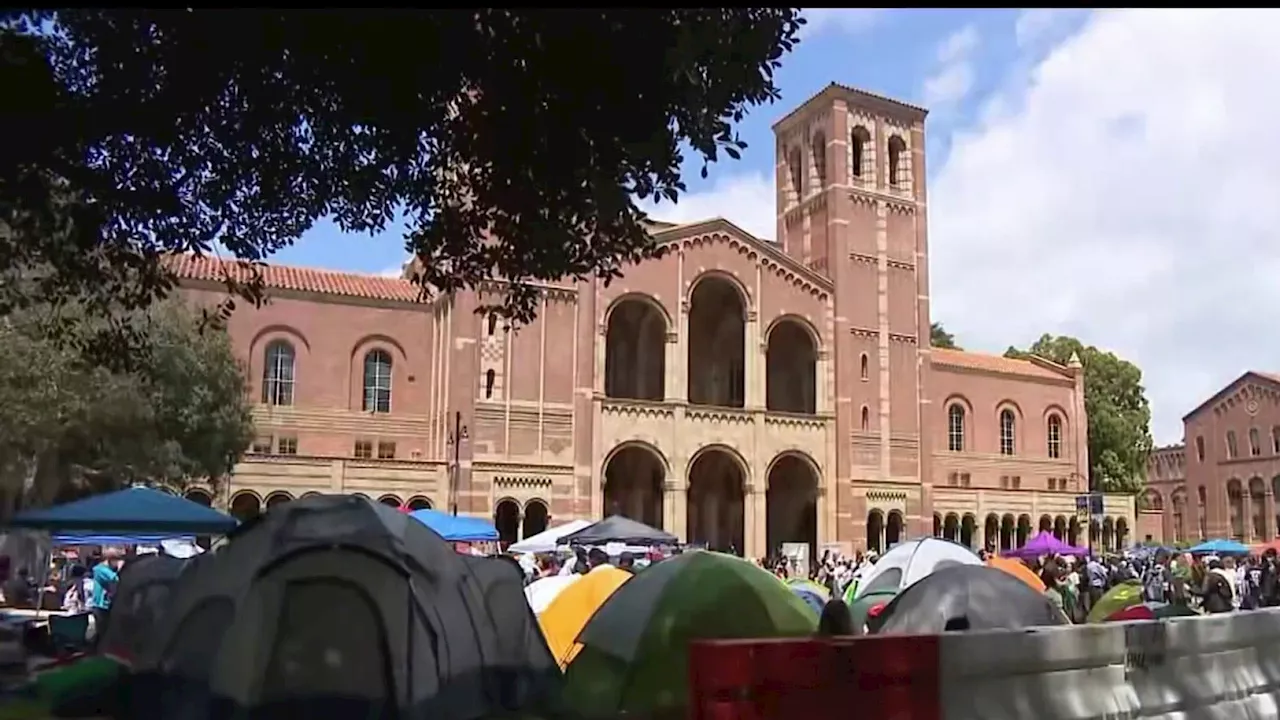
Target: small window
<point>1053,483</point>
<point>1055,436</point>
<point>865,367</point>
<point>1200,448</point>
<point>489,377</point>
<point>386,451</point>
<point>1275,440</point>
<point>287,446</point>
<point>1008,432</point>
<point>1016,482</point>
<point>377,381</point>
<point>1232,449</point>
<point>955,428</point>
<point>965,479</point>
<point>262,446</point>
<point>866,418</point>
<point>493,323</point>
<point>1255,442</point>
<point>363,450</point>
<point>797,173</point>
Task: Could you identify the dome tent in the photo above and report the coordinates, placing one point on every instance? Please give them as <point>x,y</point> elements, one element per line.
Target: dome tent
<point>337,607</point>
<point>141,597</point>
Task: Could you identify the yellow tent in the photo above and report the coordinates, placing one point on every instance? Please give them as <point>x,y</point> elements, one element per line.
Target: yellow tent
<point>565,617</point>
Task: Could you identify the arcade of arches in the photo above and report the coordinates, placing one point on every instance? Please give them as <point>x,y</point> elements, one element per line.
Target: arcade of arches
<point>246,504</point>
<point>719,501</point>
<point>998,533</point>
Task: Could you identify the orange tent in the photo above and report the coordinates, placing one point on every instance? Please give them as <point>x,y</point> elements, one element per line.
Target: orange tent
<point>1018,569</point>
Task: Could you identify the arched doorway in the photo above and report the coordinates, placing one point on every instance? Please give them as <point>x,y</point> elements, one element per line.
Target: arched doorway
<point>1235,509</point>
<point>968,526</point>
<point>791,504</point>
<point>199,497</point>
<point>1095,534</point>
<point>633,478</point>
<point>506,519</point>
<point>791,369</point>
<point>1179,502</point>
<point>635,353</point>
<point>391,501</point>
<point>1007,532</point>
<point>278,498</point>
<point>717,343</point>
<point>875,531</point>
<point>1024,530</point>
<point>535,518</point>
<point>991,533</point>
<point>1122,533</point>
<point>419,502</point>
<point>1108,534</point>
<point>1045,525</point>
<point>245,506</point>
<point>1073,532</point>
<point>1258,508</point>
<point>716,501</point>
<point>1060,529</point>
<point>893,529</point>
<point>951,527</point>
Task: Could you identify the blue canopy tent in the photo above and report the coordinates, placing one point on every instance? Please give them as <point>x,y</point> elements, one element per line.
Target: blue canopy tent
<point>456,528</point>
<point>136,515</point>
<point>1220,547</point>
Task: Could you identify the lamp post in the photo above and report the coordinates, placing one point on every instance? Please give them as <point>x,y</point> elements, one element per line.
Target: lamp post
<point>456,437</point>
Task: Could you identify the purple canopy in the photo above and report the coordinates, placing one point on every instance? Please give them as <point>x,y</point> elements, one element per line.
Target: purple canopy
<point>1044,544</point>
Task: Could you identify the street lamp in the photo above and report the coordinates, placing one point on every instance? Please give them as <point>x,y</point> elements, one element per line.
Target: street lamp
<point>455,439</point>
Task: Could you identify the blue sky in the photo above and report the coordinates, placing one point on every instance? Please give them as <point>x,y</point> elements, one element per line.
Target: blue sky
<point>1108,175</point>
<point>892,53</point>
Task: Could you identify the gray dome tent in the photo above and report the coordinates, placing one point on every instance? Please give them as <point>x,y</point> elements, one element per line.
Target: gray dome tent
<point>339,607</point>
<point>141,597</point>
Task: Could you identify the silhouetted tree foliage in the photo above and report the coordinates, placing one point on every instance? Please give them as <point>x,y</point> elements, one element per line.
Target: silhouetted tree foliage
<point>514,143</point>
<point>940,338</point>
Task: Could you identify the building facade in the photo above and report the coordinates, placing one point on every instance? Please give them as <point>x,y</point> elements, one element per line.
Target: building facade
<point>738,392</point>
<point>1223,480</point>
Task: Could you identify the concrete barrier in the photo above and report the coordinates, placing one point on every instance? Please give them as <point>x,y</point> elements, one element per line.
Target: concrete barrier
<point>1204,668</point>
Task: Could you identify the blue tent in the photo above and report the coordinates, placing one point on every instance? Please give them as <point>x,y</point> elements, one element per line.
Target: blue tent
<point>1220,547</point>
<point>134,512</point>
<point>456,528</point>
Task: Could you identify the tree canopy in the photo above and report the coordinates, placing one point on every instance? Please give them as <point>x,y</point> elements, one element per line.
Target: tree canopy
<point>514,144</point>
<point>72,425</point>
<point>1116,403</point>
<point>940,338</point>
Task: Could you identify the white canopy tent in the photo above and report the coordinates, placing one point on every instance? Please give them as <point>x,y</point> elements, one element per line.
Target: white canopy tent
<point>548,540</point>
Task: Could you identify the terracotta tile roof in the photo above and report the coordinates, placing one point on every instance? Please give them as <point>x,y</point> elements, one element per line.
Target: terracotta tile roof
<point>284,277</point>
<point>992,363</point>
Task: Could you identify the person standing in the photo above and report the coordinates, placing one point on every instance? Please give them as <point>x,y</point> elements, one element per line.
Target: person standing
<point>105,573</point>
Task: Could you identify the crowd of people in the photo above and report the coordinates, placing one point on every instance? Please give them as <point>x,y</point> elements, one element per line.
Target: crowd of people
<point>1210,584</point>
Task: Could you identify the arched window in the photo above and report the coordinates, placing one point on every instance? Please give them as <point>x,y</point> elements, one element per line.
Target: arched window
<point>866,418</point>
<point>1255,442</point>
<point>865,371</point>
<point>489,376</point>
<point>1232,450</point>
<point>493,322</point>
<point>1055,436</point>
<point>277,374</point>
<point>955,428</point>
<point>819,150</point>
<point>1008,432</point>
<point>377,381</point>
<point>858,150</point>
<point>797,173</point>
<point>896,147</point>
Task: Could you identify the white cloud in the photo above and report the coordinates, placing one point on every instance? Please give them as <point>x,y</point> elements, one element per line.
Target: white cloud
<point>846,20</point>
<point>955,75</point>
<point>394,271</point>
<point>1126,196</point>
<point>747,200</point>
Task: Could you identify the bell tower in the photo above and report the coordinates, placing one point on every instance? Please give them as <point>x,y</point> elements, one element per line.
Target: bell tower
<point>851,205</point>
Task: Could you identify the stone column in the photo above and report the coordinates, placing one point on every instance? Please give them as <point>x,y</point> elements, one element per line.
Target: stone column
<point>754,510</point>
<point>820,509</point>
<point>753,357</point>
<point>1269,502</point>
<point>1246,504</point>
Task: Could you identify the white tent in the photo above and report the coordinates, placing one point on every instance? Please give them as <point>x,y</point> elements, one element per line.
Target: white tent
<point>548,540</point>
<point>908,562</point>
<point>541,592</point>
